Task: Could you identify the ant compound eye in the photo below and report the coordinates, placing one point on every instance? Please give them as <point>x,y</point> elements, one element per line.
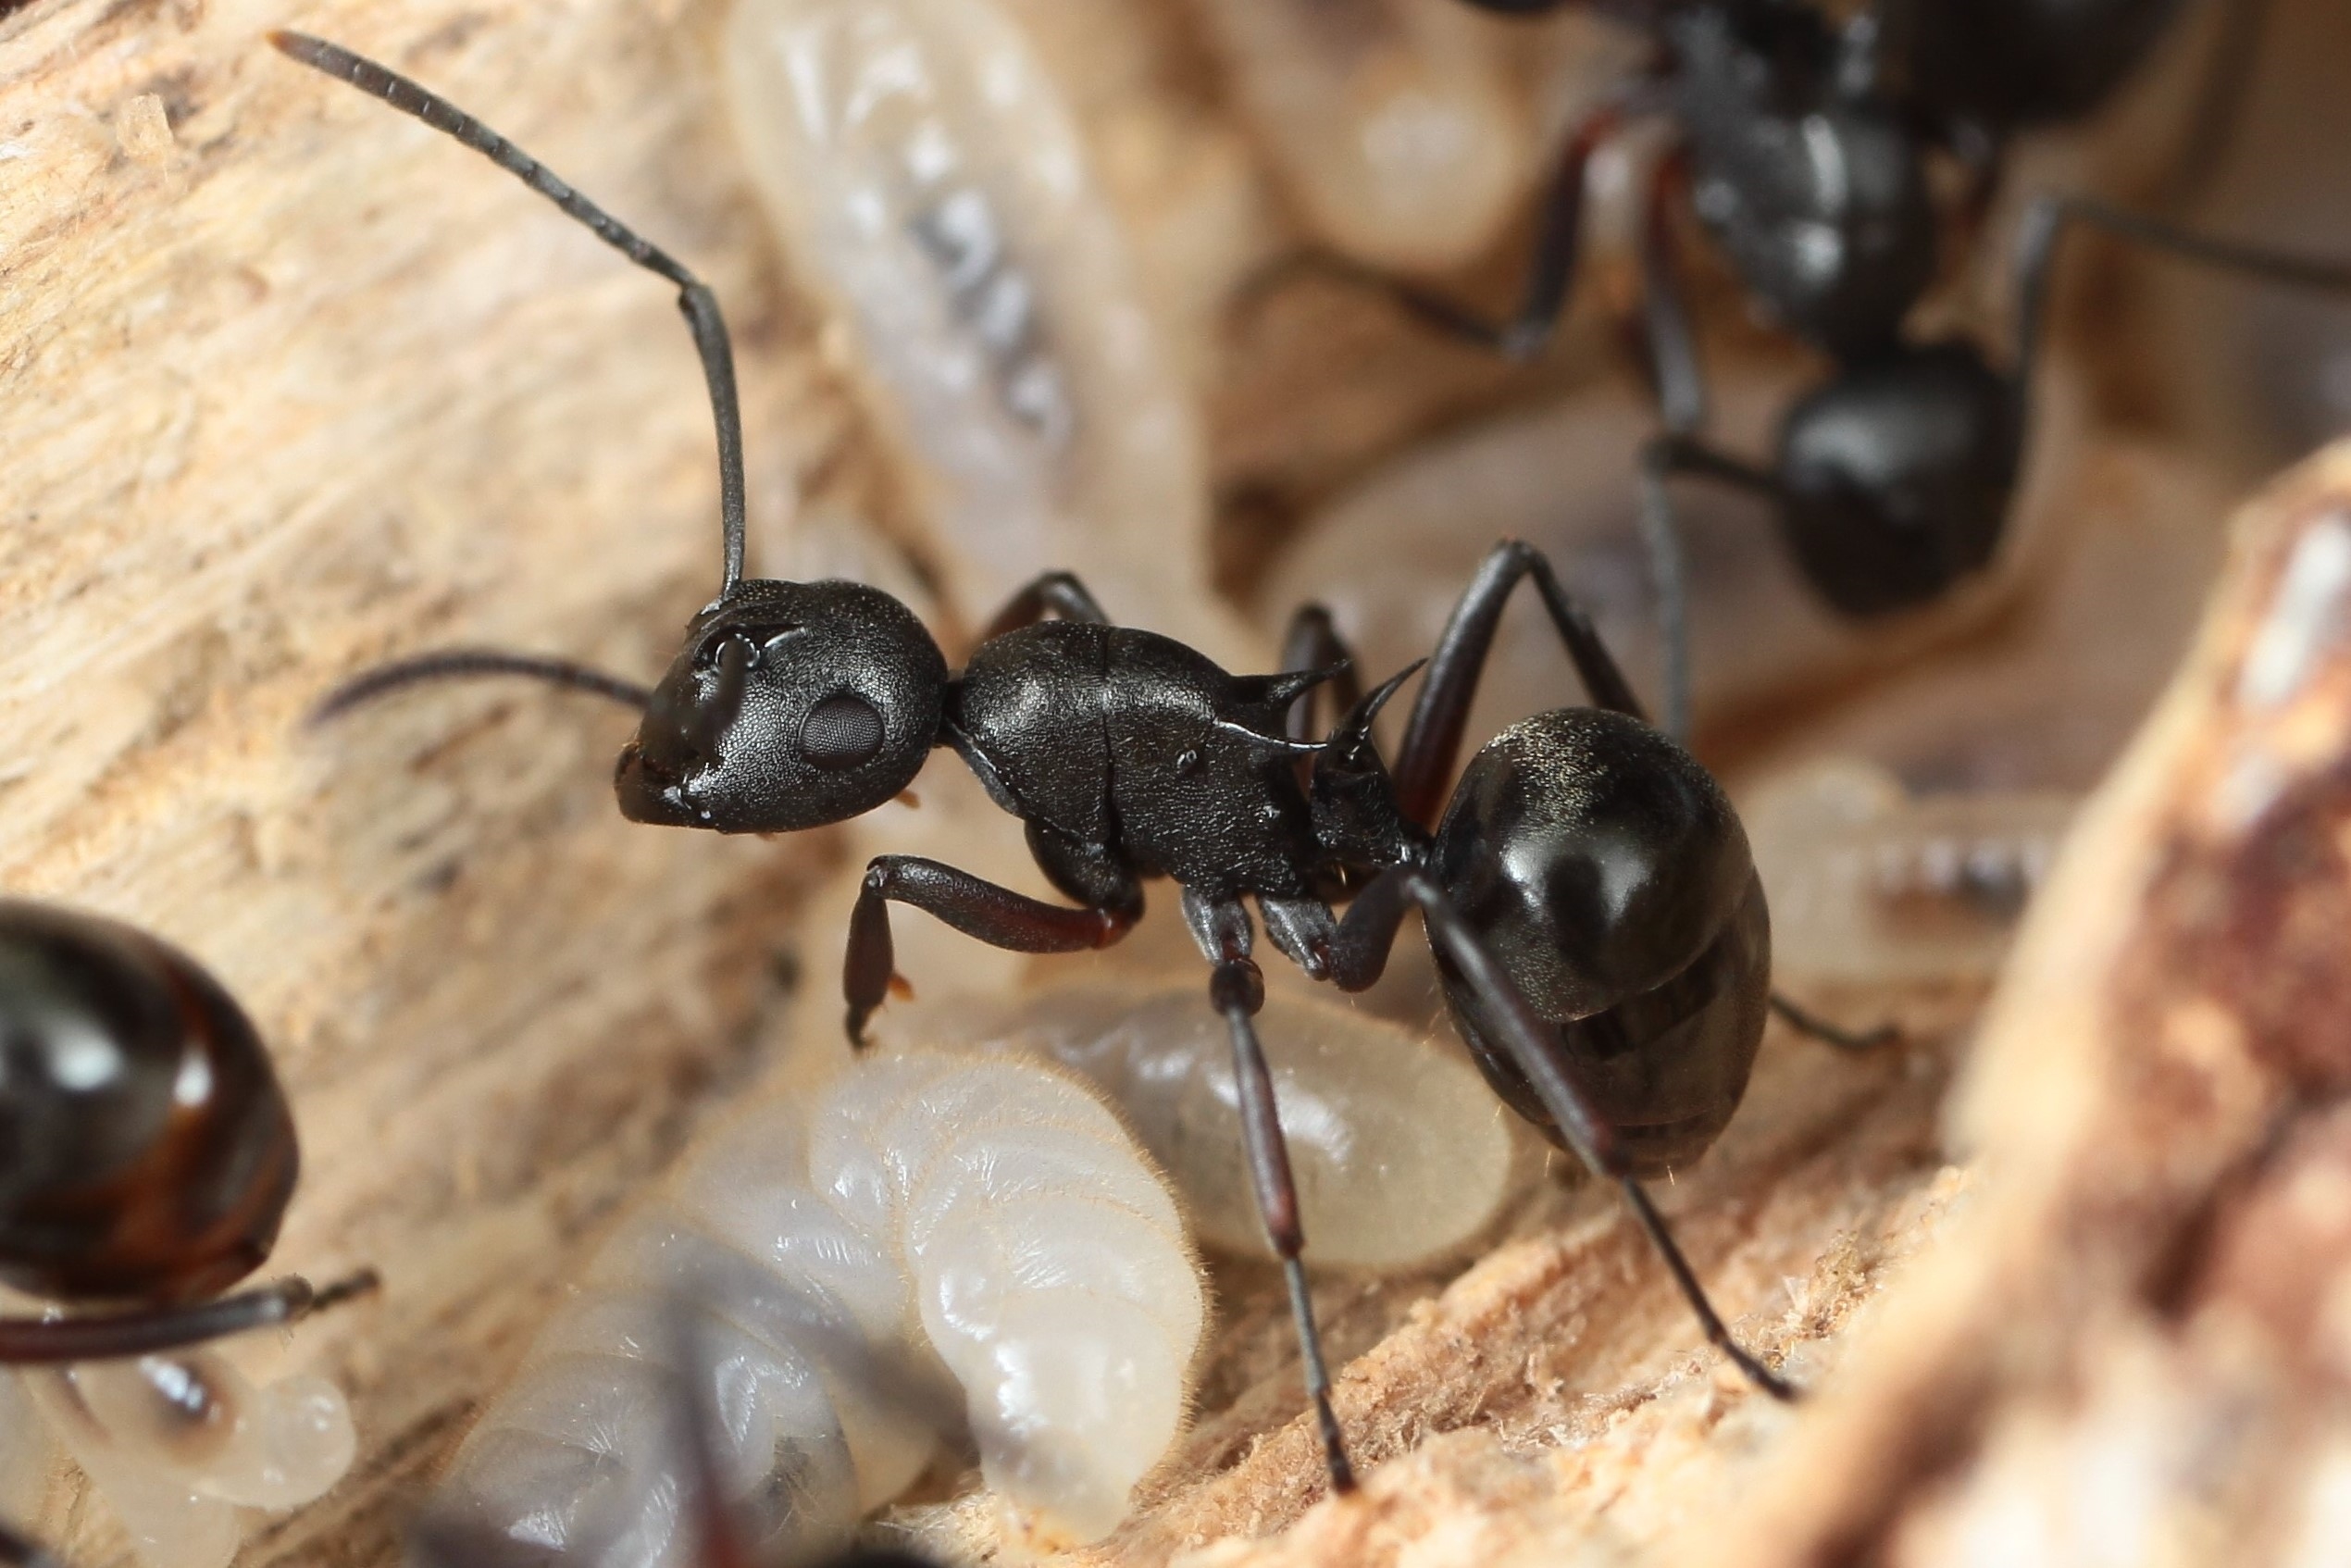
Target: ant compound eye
<point>842,731</point>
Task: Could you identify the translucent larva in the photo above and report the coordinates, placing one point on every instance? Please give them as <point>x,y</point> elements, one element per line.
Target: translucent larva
<point>1399,1150</point>
<point>1873,885</point>
<point>1393,122</point>
<point>176,1444</point>
<point>933,1245</point>
<point>927,181</point>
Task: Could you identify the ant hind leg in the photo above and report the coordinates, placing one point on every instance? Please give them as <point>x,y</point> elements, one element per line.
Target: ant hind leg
<point>52,1341</point>
<point>1365,936</point>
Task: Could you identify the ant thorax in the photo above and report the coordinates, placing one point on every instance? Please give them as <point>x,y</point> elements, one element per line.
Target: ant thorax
<point>927,181</point>
<point>931,1248</point>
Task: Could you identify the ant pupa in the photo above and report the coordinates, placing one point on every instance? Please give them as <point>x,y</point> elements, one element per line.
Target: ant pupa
<point>928,181</point>
<point>146,1157</point>
<point>1394,123</point>
<point>1873,885</point>
<point>933,1249</point>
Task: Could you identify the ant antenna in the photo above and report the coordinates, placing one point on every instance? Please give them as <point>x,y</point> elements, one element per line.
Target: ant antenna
<point>459,663</point>
<point>694,296</point>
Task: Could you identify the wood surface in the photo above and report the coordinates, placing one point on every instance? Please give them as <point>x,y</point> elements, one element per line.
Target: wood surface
<point>290,385</point>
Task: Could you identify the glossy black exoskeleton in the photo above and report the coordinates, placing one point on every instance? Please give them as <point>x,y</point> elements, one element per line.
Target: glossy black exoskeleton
<point>146,1152</point>
<point>1587,888</point>
<point>1804,147</point>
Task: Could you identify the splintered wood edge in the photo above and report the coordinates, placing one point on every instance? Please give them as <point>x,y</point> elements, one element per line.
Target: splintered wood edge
<point>2159,1018</point>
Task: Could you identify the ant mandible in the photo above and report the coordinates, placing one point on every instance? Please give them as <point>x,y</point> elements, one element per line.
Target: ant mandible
<point>1587,888</point>
<point>147,1154</point>
<point>1803,148</point>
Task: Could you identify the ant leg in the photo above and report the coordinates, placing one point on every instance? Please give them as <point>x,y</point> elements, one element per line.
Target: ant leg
<point>2219,104</point>
<point>1819,1029</point>
<point>52,1341</point>
<point>1056,594</point>
<point>1678,380</point>
<point>22,1551</point>
<point>2045,227</point>
<point>1312,642</point>
<point>1433,736</point>
<point>1237,991</point>
<point>694,298</point>
<point>1551,273</point>
<point>474,663</point>
<point>1364,938</point>
<point>994,914</point>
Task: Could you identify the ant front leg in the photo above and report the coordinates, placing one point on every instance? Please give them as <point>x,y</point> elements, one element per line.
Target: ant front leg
<point>978,908</point>
<point>1236,990</point>
<point>53,1342</point>
<point>1366,937</point>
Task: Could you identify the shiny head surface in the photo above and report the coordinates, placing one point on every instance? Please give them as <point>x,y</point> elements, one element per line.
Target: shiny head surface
<point>790,705</point>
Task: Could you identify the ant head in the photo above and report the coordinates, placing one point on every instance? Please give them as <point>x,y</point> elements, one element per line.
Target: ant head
<point>792,704</point>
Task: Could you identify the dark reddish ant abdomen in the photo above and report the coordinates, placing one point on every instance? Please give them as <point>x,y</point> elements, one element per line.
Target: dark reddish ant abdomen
<point>1610,876</point>
<point>146,1151</point>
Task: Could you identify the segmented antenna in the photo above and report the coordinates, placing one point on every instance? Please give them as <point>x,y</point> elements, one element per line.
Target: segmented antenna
<point>465,663</point>
<point>694,296</point>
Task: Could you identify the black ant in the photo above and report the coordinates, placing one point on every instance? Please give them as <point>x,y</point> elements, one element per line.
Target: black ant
<point>1587,888</point>
<point>146,1151</point>
<point>1892,478</point>
<point>22,1551</point>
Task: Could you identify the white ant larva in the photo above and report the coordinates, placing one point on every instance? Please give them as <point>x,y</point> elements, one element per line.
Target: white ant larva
<point>1396,1152</point>
<point>1873,885</point>
<point>1393,122</point>
<point>931,1245</point>
<point>178,1443</point>
<point>928,181</point>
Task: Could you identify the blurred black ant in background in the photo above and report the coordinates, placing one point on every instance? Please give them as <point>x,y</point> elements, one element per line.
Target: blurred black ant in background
<point>1586,887</point>
<point>1803,147</point>
<point>147,1154</point>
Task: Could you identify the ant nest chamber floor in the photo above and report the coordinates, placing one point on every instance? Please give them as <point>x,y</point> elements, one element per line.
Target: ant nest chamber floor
<point>297,387</point>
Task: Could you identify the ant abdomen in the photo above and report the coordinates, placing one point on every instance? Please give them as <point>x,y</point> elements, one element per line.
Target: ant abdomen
<point>1609,874</point>
<point>1898,474</point>
<point>146,1150</point>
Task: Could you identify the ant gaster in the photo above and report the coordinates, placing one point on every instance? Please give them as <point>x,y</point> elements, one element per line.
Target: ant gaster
<point>1803,148</point>
<point>1587,888</point>
<point>146,1152</point>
